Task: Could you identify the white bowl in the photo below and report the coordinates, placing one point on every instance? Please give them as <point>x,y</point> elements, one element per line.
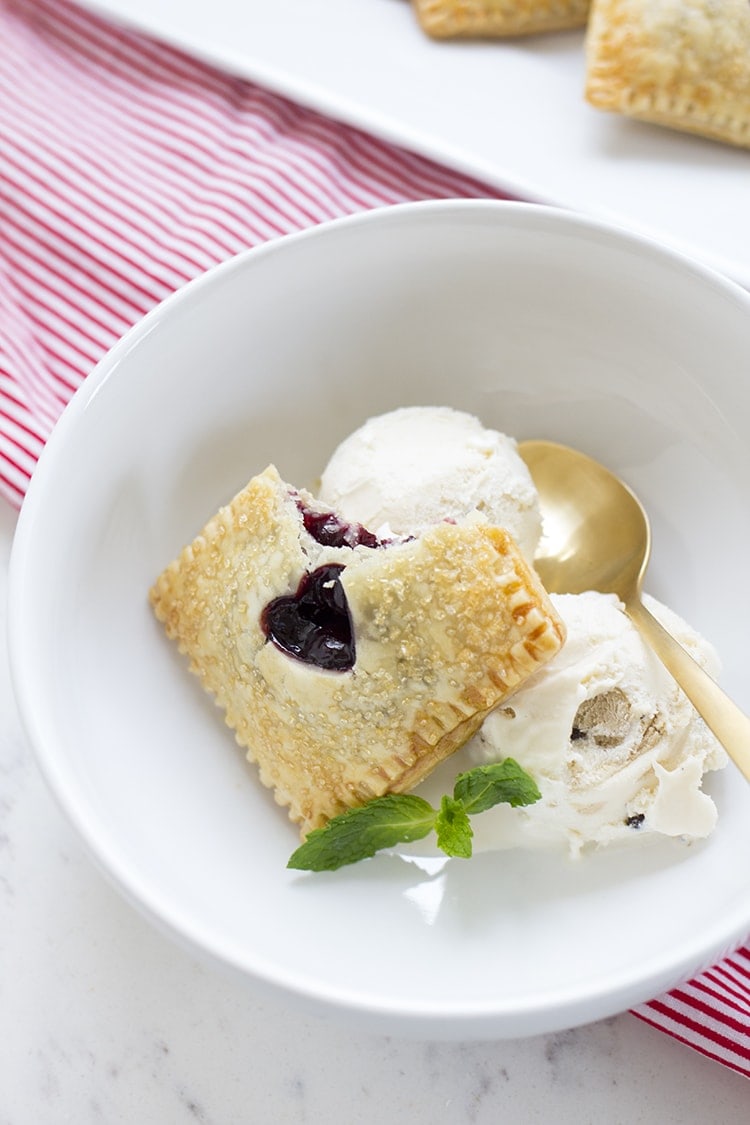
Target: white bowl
<point>544,324</point>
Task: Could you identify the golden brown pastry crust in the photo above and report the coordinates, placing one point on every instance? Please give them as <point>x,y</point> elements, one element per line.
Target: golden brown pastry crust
<point>681,63</point>
<point>495,19</point>
<point>446,627</point>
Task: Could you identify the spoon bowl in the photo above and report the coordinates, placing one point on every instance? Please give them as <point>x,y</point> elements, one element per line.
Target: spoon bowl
<point>597,537</point>
<point>596,533</point>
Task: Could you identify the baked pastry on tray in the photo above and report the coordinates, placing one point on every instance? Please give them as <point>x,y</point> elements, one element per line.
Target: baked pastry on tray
<point>449,19</point>
<point>681,63</point>
<point>346,665</point>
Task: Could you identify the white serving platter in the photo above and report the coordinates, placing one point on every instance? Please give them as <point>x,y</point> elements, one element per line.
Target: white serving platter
<point>509,112</point>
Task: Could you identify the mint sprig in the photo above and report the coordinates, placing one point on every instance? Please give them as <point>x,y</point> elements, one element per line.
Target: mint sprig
<point>400,818</point>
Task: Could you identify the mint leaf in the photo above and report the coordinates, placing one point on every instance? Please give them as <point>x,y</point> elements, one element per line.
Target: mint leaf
<point>396,818</point>
<point>399,818</point>
<point>453,828</point>
<point>481,788</point>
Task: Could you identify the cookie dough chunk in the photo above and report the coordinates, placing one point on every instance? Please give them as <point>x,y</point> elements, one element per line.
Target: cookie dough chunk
<point>347,666</point>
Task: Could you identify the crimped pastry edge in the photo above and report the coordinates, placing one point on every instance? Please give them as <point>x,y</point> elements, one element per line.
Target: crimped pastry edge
<point>455,19</point>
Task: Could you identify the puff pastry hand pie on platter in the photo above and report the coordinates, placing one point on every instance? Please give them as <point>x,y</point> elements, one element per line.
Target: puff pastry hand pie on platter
<point>452,19</point>
<point>348,666</point>
<point>681,63</point>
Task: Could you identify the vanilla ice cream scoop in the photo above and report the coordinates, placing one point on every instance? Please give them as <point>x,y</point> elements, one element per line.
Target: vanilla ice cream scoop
<point>616,748</point>
<point>416,466</point>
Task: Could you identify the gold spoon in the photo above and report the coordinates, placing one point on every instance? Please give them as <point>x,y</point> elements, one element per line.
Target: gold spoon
<point>597,537</point>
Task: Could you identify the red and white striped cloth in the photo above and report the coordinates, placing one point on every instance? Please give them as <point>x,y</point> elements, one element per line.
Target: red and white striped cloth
<point>127,168</point>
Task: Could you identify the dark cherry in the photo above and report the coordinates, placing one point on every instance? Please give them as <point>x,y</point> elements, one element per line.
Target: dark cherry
<point>314,625</point>
<point>330,530</point>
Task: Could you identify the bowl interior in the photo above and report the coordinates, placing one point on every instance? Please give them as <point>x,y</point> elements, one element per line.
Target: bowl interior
<point>542,324</point>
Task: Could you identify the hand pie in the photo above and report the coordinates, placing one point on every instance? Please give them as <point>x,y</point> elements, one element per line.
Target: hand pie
<point>451,19</point>
<point>682,63</point>
<point>349,666</point>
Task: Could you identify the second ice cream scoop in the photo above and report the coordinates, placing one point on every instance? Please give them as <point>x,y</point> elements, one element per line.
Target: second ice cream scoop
<point>597,537</point>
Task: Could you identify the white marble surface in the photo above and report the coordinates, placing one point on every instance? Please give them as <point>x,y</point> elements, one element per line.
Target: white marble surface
<point>104,1020</point>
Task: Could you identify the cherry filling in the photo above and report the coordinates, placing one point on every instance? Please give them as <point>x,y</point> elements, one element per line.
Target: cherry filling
<point>314,625</point>
<point>330,530</point>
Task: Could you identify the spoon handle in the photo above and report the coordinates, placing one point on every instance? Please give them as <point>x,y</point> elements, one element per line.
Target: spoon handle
<point>730,725</point>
